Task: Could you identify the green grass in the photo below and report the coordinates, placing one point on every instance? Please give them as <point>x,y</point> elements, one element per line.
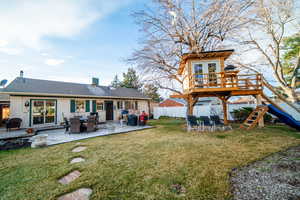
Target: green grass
<point>143,164</point>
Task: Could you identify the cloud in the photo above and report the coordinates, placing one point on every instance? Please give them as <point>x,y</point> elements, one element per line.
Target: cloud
<point>10,51</point>
<point>54,62</point>
<point>29,23</point>
<point>3,43</point>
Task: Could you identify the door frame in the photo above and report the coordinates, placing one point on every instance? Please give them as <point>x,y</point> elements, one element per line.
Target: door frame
<point>112,113</point>
<point>30,111</point>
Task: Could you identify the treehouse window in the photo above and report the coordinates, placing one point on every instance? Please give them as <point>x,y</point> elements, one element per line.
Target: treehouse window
<point>212,69</point>
<point>198,70</point>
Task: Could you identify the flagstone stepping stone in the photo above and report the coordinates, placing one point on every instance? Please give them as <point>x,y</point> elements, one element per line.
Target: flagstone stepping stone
<point>69,177</point>
<point>79,149</point>
<point>77,160</point>
<point>80,194</point>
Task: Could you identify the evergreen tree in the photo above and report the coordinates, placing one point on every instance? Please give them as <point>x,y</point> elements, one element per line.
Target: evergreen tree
<point>116,82</point>
<point>131,79</point>
<point>151,91</point>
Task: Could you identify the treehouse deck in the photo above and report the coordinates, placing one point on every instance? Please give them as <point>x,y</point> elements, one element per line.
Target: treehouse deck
<point>223,84</point>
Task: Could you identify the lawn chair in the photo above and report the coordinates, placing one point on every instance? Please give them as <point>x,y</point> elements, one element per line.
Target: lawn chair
<point>205,123</point>
<point>192,123</point>
<point>217,122</point>
<point>75,125</point>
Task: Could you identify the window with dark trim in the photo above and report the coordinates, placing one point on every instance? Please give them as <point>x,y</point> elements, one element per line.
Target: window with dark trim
<point>127,105</point>
<point>120,105</point>
<point>80,105</point>
<point>99,105</point>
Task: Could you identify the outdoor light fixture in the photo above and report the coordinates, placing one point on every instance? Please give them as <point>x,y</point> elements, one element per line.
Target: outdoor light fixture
<point>26,104</point>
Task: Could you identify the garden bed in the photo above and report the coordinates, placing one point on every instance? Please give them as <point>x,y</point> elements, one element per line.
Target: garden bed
<point>275,177</point>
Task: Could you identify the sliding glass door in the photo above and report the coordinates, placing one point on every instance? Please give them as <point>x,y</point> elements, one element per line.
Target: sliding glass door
<point>43,112</point>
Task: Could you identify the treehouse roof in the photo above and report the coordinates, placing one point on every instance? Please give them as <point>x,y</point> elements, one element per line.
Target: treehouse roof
<point>203,55</point>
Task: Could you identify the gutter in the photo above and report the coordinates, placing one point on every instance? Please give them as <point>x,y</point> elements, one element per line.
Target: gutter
<point>69,95</point>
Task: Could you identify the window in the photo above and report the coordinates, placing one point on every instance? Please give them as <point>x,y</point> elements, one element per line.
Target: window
<point>127,105</point>
<point>198,70</point>
<point>212,69</point>
<point>136,105</point>
<point>5,112</point>
<point>99,105</point>
<point>120,105</point>
<point>80,105</point>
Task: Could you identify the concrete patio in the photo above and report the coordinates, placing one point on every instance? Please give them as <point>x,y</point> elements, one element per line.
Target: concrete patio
<point>12,134</point>
<point>59,136</point>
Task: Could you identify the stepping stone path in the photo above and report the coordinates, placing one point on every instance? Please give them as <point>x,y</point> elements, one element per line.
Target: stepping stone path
<point>80,194</point>
<point>77,160</point>
<point>69,177</point>
<point>78,149</point>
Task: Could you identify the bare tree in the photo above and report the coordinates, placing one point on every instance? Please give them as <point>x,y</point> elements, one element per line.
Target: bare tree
<point>271,22</point>
<point>174,27</point>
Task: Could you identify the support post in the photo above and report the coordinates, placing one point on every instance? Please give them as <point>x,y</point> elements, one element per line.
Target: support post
<point>224,103</point>
<point>258,103</point>
<point>190,105</point>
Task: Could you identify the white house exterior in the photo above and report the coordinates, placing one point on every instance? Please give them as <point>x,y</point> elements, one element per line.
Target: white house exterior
<point>45,103</point>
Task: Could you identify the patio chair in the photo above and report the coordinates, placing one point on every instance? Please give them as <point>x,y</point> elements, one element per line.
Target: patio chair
<point>67,124</point>
<point>91,124</point>
<point>192,123</point>
<point>96,115</point>
<point>75,125</point>
<point>13,123</point>
<point>205,123</point>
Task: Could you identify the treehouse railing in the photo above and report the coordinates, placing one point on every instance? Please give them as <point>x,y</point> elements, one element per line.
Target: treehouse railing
<point>226,80</point>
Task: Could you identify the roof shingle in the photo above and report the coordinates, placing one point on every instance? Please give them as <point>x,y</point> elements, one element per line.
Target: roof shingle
<point>37,86</point>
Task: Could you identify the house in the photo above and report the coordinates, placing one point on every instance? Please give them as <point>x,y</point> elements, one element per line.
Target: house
<point>44,102</point>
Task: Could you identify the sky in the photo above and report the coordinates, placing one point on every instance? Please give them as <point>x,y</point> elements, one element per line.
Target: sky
<point>73,40</point>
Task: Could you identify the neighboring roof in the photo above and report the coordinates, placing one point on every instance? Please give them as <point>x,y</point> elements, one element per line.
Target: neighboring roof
<point>242,100</point>
<point>29,86</point>
<point>178,100</point>
<point>203,55</point>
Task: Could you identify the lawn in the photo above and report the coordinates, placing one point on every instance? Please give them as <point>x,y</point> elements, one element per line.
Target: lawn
<point>142,165</point>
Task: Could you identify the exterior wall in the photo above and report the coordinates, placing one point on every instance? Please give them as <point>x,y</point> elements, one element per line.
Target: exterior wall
<point>186,79</point>
<point>170,103</point>
<point>18,109</point>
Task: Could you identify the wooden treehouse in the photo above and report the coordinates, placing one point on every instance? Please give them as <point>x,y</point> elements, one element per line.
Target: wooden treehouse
<point>205,75</point>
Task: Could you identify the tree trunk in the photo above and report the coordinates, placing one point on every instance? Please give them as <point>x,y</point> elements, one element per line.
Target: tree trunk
<point>291,93</point>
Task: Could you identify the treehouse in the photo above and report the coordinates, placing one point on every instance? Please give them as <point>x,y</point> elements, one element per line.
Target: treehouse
<point>205,75</point>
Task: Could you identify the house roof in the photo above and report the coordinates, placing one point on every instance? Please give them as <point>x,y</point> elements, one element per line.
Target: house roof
<point>28,86</point>
<point>203,55</point>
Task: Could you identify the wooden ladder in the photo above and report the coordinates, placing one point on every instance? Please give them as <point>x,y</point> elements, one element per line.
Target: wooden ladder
<point>254,117</point>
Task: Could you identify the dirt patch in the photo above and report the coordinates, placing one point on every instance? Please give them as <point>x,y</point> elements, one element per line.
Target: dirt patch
<point>276,177</point>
